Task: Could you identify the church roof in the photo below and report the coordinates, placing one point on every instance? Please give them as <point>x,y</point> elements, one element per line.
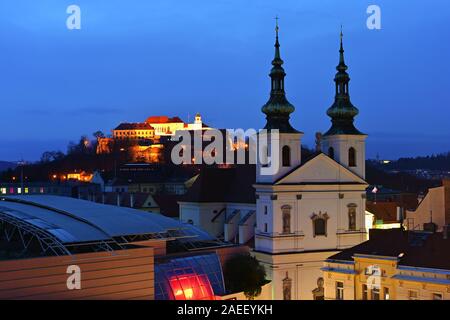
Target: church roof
<point>315,157</point>
<point>224,185</point>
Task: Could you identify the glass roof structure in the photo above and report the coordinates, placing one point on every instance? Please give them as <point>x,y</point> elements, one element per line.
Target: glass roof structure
<point>197,277</point>
<point>62,225</point>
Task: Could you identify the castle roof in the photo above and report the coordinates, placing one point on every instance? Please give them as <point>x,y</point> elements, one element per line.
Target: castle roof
<point>134,126</point>
<point>163,119</point>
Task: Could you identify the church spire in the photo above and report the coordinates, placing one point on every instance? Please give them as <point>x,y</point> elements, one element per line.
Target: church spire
<point>342,112</point>
<point>278,108</point>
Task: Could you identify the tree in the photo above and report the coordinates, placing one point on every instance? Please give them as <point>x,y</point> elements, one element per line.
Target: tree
<point>49,156</point>
<point>244,273</point>
<point>46,157</point>
<point>98,134</point>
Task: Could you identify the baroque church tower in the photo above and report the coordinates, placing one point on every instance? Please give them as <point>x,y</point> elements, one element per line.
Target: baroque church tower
<point>286,152</point>
<point>306,212</point>
<point>343,142</point>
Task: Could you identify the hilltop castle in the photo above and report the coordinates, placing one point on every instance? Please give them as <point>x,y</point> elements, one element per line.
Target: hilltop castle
<point>144,140</point>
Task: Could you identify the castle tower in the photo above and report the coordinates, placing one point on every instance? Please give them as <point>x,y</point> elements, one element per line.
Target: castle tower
<point>198,119</point>
<point>343,142</point>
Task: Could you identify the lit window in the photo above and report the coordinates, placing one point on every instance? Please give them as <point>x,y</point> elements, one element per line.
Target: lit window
<point>339,290</point>
<point>26,190</point>
<point>386,294</point>
<point>375,293</point>
<point>19,190</point>
<point>3,190</point>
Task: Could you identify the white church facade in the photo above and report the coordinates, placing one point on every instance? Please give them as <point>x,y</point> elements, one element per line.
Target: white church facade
<point>306,211</point>
<point>309,211</point>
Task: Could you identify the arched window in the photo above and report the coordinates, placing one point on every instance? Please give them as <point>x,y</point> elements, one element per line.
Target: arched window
<point>352,217</point>
<point>286,216</point>
<point>286,155</point>
<point>320,224</point>
<point>319,227</point>
<point>352,157</point>
<point>331,152</point>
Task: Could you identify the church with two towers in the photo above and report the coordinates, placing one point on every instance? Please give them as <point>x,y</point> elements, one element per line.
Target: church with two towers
<point>310,210</point>
<point>299,215</point>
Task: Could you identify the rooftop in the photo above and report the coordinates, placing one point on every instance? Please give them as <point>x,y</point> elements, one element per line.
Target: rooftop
<point>134,126</point>
<point>163,119</point>
<point>411,248</point>
<point>233,184</point>
<point>63,224</point>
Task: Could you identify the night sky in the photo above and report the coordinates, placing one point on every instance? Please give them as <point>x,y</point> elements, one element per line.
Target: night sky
<point>137,58</point>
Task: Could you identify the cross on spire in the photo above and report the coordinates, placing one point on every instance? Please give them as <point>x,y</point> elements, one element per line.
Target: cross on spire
<point>278,109</point>
<point>276,24</point>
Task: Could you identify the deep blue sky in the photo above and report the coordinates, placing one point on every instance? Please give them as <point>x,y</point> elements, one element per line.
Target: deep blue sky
<point>137,58</point>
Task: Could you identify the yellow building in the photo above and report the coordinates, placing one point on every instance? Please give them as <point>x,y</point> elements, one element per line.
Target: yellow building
<point>134,131</point>
<point>392,265</point>
<point>434,209</point>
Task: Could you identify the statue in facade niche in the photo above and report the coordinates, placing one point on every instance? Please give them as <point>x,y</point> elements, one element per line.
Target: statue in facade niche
<point>287,287</point>
<point>318,293</point>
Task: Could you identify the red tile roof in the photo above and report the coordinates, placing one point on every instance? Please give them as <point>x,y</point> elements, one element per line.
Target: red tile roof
<point>163,119</point>
<point>386,211</point>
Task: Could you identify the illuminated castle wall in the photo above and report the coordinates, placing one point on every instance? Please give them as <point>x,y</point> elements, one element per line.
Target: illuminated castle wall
<point>142,140</point>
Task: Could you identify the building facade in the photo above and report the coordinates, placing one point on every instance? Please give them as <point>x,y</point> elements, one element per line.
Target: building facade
<point>393,265</point>
<point>307,211</point>
<point>433,210</point>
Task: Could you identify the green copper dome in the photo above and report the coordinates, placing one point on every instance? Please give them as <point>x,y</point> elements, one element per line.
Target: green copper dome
<point>342,112</point>
<point>278,108</point>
